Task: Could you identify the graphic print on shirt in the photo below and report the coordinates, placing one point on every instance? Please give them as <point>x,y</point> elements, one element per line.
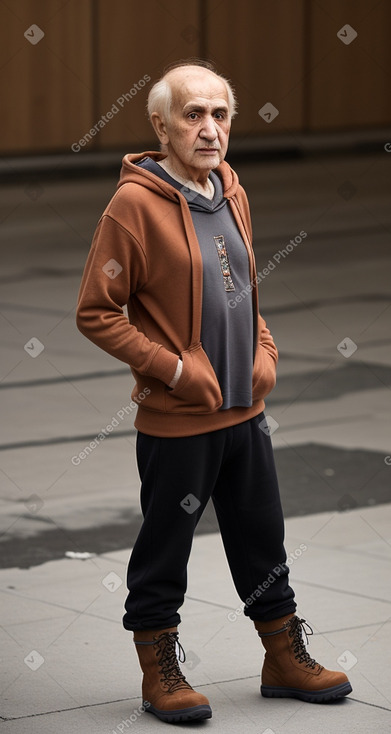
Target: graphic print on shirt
<point>224,262</point>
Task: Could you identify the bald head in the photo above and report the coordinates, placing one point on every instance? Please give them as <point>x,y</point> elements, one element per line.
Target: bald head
<point>165,92</point>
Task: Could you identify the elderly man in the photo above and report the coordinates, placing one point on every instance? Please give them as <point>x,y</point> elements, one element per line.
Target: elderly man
<point>174,245</point>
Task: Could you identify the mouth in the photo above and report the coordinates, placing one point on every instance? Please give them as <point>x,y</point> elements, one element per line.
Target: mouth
<point>211,151</point>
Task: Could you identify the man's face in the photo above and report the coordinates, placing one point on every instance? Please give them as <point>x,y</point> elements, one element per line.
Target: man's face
<point>198,129</point>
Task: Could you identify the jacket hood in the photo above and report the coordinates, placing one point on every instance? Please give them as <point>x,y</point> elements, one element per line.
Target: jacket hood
<point>132,173</point>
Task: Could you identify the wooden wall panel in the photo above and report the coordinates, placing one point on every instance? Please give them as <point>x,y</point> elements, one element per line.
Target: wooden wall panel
<point>45,88</point>
<point>349,84</point>
<point>285,52</point>
<point>259,45</point>
<point>136,40</point>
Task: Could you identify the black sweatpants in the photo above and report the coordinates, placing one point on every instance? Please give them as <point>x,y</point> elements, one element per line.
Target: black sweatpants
<point>234,466</point>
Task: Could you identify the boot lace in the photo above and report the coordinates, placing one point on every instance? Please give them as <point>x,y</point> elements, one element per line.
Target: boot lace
<point>172,676</point>
<point>296,631</point>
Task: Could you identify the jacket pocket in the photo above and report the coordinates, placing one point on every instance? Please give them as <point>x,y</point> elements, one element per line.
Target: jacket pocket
<point>148,392</point>
<point>264,373</point>
<point>197,390</point>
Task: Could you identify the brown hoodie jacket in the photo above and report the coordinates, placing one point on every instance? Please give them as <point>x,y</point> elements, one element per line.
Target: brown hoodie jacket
<point>145,255</point>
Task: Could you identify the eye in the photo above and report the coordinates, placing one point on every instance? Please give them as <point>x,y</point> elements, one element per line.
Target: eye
<point>193,115</point>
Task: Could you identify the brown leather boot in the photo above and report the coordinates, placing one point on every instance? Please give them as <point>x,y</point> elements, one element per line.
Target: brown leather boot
<point>289,671</point>
<point>166,692</point>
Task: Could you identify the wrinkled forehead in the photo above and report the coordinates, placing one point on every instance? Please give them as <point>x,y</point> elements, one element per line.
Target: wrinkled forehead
<point>202,87</point>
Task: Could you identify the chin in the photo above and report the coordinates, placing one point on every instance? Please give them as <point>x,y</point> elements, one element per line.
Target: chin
<point>210,161</point>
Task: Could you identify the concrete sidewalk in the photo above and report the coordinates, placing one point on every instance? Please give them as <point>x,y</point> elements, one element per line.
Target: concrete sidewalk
<point>68,664</point>
<point>72,667</point>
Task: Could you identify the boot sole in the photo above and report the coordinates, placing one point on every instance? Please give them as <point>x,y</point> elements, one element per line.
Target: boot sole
<point>190,714</point>
<point>327,694</point>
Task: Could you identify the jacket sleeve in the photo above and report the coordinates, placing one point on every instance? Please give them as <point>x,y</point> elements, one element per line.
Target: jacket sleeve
<point>266,339</point>
<point>116,267</point>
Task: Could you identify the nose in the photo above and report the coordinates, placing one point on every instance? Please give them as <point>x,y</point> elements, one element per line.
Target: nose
<point>209,129</point>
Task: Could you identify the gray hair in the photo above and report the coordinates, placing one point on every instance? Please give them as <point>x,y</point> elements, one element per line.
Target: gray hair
<point>160,95</point>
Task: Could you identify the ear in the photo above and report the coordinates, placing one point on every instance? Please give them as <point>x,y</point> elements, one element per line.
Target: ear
<point>160,128</point>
